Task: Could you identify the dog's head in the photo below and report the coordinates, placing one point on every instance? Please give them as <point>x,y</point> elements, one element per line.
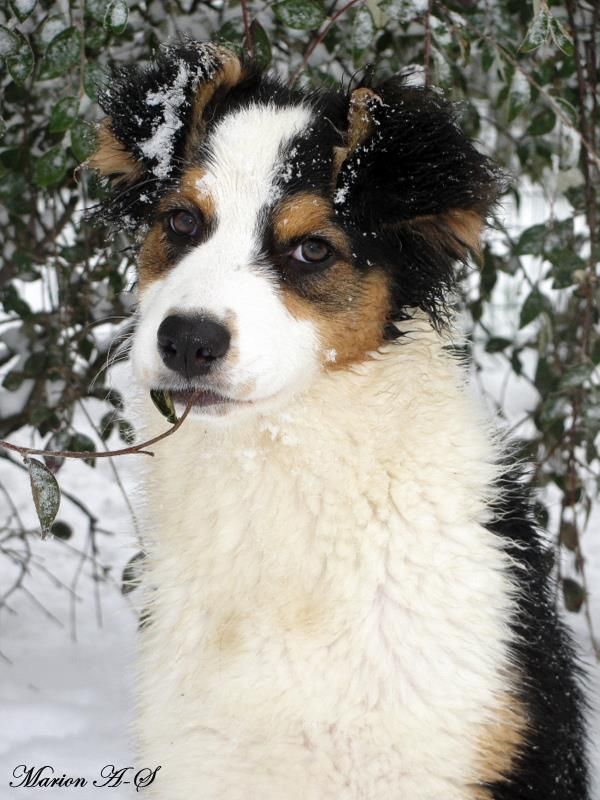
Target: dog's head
<point>281,233</point>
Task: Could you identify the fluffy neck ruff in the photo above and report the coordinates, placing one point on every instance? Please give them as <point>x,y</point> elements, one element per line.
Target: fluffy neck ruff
<point>326,570</point>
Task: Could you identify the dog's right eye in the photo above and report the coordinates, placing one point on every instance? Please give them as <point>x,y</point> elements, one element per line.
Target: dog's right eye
<point>184,223</point>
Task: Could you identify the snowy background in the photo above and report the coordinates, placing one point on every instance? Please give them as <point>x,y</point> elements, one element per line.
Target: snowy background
<point>67,641</point>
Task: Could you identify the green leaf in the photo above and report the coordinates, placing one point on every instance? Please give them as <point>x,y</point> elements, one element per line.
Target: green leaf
<point>12,301</point>
<point>35,364</point>
<point>561,37</point>
<point>516,363</point>
<point>82,443</point>
<point>15,48</point>
<point>63,115</point>
<point>497,344</point>
<point>517,102</point>
<point>532,240</point>
<point>60,530</point>
<point>58,441</point>
<point>261,45</point>
<point>50,168</point>
<point>64,52</point>
<point>487,57</point>
<point>573,595</point>
<point>13,380</point>
<point>93,76</point>
<point>363,30</point>
<point>545,380</point>
<point>565,263</point>
<point>377,11</point>
<point>533,306</point>
<point>303,15</point>
<point>126,431</point>
<point>51,28</point>
<point>576,376</point>
<point>107,425</point>
<point>45,492</point>
<point>96,9</point>
<point>489,274</point>
<point>115,17</point>
<point>230,34</point>
<point>543,122</point>
<point>568,536</point>
<point>553,408</point>
<point>164,403</point>
<point>23,8</point>
<point>538,31</point>
<point>83,140</point>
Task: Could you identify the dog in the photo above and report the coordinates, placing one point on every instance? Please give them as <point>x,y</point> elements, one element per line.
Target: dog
<point>347,594</point>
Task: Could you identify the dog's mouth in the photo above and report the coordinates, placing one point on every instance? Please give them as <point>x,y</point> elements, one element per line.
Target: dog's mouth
<point>203,398</point>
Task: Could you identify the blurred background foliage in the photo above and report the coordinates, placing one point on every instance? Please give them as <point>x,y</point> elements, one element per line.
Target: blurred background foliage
<point>525,77</point>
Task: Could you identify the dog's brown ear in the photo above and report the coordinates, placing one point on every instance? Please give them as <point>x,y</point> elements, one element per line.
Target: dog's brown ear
<point>155,120</point>
<point>359,127</point>
<point>406,162</point>
<point>413,183</point>
<point>228,74</point>
<point>111,159</point>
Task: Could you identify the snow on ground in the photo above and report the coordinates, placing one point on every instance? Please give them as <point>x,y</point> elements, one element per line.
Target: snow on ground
<point>66,655</point>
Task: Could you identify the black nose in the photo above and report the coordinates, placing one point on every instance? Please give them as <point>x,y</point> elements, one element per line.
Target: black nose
<point>191,345</point>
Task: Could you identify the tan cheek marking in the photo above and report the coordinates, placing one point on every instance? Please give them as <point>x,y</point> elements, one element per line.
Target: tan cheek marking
<point>152,260</point>
<point>350,334</point>
<point>111,158</point>
<point>500,742</point>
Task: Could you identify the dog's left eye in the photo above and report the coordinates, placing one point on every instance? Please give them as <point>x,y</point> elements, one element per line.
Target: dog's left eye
<point>184,223</point>
<point>312,251</point>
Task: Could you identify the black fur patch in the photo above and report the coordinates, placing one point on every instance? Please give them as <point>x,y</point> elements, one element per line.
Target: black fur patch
<point>552,764</point>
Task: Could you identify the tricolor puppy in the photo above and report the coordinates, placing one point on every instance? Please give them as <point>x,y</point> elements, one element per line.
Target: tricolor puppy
<point>347,597</point>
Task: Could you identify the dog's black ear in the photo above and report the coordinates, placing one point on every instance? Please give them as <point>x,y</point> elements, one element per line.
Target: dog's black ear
<point>155,118</point>
<point>411,179</point>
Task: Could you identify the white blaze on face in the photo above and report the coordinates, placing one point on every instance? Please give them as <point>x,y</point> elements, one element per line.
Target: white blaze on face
<point>271,352</point>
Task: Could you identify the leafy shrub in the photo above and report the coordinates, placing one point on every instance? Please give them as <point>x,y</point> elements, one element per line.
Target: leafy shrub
<point>525,77</point>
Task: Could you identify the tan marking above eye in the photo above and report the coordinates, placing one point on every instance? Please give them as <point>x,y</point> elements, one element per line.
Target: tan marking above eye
<point>153,256</point>
<point>195,190</point>
<point>229,73</point>
<point>307,215</point>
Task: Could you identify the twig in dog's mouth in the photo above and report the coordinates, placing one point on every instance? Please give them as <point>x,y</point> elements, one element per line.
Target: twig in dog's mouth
<point>89,454</point>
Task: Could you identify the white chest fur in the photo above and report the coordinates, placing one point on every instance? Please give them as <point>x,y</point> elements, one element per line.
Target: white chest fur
<point>329,616</point>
